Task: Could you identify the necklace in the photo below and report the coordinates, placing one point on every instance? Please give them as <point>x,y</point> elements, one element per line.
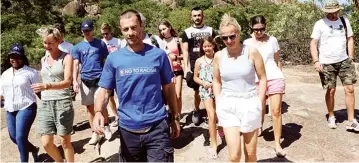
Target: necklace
<point>206,60</point>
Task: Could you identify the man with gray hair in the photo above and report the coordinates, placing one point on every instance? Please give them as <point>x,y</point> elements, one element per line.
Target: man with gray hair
<point>334,36</point>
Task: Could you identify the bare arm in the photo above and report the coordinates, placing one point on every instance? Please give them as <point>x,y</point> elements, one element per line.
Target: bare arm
<point>185,57</point>
<point>196,73</point>
<point>276,59</point>
<point>313,50</point>
<point>351,47</point>
<point>259,66</point>
<point>76,63</point>
<point>217,83</point>
<point>101,101</point>
<point>170,95</point>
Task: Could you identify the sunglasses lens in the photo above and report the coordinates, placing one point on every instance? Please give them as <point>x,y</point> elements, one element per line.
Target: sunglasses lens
<point>231,37</point>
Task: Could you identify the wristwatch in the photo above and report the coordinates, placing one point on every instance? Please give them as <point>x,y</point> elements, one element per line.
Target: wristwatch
<point>46,86</point>
<point>177,117</point>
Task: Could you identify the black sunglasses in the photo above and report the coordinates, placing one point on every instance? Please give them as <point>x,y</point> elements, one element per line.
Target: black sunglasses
<point>259,29</point>
<point>104,34</point>
<point>231,37</point>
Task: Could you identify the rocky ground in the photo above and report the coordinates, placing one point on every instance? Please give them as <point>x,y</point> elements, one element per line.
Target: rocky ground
<point>306,137</point>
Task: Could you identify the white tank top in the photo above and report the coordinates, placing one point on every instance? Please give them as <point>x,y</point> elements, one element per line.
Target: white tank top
<point>238,75</point>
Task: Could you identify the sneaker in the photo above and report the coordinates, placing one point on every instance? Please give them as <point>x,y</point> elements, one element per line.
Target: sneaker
<point>115,123</point>
<point>196,118</point>
<point>35,153</point>
<point>94,139</point>
<point>331,123</point>
<point>108,133</point>
<point>353,125</point>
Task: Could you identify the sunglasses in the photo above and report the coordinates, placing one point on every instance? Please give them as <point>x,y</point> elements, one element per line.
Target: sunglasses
<point>259,29</point>
<point>104,34</point>
<point>85,31</point>
<point>231,37</point>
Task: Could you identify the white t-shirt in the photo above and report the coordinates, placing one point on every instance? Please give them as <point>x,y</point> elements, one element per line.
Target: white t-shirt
<point>267,51</point>
<point>113,44</point>
<point>332,41</point>
<point>66,47</point>
<point>147,40</point>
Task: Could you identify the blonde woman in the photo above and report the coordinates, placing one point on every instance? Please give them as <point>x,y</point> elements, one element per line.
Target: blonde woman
<point>239,108</point>
<point>55,114</point>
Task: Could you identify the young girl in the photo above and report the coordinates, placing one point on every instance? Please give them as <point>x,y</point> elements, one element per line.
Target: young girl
<point>203,75</point>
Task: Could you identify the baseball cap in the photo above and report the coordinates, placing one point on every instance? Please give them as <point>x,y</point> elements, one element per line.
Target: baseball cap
<point>17,49</point>
<point>86,25</point>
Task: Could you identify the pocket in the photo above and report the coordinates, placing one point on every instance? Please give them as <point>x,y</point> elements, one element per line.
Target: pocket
<point>168,154</point>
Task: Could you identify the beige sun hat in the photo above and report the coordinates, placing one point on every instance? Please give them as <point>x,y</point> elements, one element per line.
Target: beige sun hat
<point>331,6</point>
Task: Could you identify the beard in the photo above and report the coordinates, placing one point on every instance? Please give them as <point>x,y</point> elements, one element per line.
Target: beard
<point>199,22</point>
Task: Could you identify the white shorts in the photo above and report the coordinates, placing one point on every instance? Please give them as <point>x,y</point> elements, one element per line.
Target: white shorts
<point>87,94</point>
<point>243,110</point>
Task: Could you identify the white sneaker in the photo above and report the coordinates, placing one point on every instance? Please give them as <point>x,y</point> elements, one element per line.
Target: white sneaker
<point>353,125</point>
<point>108,133</point>
<point>94,139</point>
<point>331,123</point>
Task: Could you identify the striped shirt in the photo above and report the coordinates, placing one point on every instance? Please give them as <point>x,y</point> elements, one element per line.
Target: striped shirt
<point>15,87</point>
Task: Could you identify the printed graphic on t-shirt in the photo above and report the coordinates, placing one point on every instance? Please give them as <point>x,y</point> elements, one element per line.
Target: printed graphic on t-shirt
<point>138,70</point>
<point>194,36</point>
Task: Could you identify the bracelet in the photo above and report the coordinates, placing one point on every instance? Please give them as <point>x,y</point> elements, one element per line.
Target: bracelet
<point>98,111</point>
<point>315,62</point>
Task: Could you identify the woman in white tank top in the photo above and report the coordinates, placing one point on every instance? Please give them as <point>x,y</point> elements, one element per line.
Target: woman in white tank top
<point>239,105</point>
<point>269,49</point>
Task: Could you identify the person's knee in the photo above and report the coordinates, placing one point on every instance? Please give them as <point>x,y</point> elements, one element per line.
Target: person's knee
<point>20,138</point>
<point>251,157</point>
<point>331,92</point>
<point>47,143</point>
<point>276,112</point>
<point>66,143</point>
<point>349,90</point>
<point>234,157</point>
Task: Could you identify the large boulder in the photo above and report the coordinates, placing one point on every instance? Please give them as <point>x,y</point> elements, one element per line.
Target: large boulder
<point>93,10</point>
<point>74,8</point>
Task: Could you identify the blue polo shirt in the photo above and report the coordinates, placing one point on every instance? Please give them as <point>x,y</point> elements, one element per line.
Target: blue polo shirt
<point>91,56</point>
<point>138,78</point>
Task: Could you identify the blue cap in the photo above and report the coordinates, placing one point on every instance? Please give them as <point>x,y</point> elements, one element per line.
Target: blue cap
<point>17,49</point>
<point>86,25</point>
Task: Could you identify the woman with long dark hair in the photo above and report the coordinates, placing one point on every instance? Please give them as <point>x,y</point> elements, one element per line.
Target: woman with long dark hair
<point>171,42</point>
<point>20,100</point>
<point>269,49</point>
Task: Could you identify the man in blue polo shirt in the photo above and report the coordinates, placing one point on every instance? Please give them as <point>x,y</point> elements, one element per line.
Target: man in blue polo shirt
<point>138,72</point>
<point>91,54</point>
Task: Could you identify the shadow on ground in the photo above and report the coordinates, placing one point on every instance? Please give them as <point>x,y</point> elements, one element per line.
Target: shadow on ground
<point>275,159</point>
<point>342,115</point>
<point>290,134</point>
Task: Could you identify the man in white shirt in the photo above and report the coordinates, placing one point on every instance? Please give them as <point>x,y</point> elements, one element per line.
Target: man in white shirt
<point>112,44</point>
<point>334,36</point>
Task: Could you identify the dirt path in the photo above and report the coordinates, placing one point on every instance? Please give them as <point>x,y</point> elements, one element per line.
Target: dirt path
<point>306,136</point>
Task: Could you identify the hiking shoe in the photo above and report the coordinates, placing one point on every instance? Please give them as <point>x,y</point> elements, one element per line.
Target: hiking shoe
<point>196,118</point>
<point>108,133</point>
<point>35,153</point>
<point>353,125</point>
<point>94,139</point>
<point>331,123</point>
<point>115,123</point>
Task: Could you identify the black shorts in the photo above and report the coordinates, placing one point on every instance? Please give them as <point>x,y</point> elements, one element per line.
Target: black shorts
<point>112,93</point>
<point>179,73</point>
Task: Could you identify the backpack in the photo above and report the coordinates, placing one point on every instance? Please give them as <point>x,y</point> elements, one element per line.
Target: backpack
<point>346,32</point>
<point>153,40</point>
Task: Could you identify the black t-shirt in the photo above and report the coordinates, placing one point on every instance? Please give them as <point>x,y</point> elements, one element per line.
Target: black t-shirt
<point>193,37</point>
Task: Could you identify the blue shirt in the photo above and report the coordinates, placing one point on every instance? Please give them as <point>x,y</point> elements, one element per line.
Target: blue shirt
<point>91,56</point>
<point>138,78</point>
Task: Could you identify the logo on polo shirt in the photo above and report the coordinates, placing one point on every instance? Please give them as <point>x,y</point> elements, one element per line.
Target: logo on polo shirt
<point>138,70</point>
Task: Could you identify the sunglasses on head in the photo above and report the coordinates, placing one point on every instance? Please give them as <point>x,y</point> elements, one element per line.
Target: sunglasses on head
<point>259,29</point>
<point>231,37</point>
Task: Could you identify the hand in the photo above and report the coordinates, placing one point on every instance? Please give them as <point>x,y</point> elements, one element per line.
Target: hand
<point>207,85</point>
<point>75,86</point>
<point>38,87</point>
<point>176,129</point>
<point>318,67</point>
<point>172,56</point>
<point>174,80</point>
<point>99,123</point>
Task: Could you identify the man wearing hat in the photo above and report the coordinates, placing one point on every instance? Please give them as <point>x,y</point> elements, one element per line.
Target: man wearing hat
<point>333,36</point>
<point>91,54</point>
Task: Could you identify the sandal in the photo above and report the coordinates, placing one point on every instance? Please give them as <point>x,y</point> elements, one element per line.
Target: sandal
<point>280,154</point>
<point>212,153</point>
